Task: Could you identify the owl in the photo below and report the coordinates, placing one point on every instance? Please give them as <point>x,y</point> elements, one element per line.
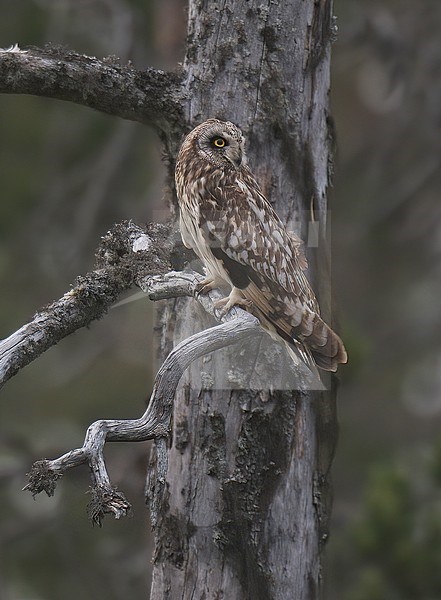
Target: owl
<point>243,244</point>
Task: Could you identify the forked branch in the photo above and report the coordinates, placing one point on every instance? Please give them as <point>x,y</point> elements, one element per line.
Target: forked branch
<point>155,423</point>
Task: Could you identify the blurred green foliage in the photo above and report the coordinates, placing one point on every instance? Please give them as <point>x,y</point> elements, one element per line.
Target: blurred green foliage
<point>386,219</point>
<point>393,549</point>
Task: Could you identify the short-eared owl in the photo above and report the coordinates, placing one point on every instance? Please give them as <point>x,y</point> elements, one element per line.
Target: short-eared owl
<point>242,242</point>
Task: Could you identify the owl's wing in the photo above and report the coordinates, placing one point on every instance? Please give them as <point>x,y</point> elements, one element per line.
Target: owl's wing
<point>266,263</point>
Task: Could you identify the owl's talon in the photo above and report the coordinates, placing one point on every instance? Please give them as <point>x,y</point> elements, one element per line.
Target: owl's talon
<point>204,286</point>
<point>207,285</point>
<point>234,299</point>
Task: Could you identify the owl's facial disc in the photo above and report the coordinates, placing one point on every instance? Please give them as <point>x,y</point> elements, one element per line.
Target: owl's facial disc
<point>227,147</point>
<point>222,143</point>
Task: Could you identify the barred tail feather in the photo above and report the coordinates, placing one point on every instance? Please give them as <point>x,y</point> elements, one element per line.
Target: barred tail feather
<point>326,346</point>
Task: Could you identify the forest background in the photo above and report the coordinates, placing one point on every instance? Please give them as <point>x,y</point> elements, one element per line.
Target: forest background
<point>68,173</point>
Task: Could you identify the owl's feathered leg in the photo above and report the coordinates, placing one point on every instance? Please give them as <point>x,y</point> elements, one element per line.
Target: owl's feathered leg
<point>235,298</point>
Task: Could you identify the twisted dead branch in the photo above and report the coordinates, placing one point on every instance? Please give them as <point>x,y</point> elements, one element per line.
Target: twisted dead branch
<point>155,423</point>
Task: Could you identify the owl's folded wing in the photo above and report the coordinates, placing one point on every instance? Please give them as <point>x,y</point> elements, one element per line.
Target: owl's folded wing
<point>264,261</point>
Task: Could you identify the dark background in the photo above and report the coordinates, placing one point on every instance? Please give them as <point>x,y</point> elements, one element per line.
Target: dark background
<point>68,173</point>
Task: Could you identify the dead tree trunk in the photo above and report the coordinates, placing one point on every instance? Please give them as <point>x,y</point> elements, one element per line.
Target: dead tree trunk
<point>247,498</point>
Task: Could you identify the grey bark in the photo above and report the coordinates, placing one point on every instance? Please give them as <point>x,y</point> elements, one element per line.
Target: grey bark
<point>150,96</point>
<point>248,501</point>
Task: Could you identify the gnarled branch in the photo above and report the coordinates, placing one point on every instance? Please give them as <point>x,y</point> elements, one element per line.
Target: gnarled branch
<point>150,96</point>
<point>128,255</point>
<point>155,422</point>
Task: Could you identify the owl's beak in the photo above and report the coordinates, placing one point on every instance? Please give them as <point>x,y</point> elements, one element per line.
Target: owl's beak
<point>234,155</point>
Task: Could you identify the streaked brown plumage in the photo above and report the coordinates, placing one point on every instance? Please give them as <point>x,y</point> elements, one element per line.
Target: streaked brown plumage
<point>242,242</point>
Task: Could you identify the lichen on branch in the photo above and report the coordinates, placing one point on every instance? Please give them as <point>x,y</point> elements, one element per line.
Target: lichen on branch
<point>119,266</point>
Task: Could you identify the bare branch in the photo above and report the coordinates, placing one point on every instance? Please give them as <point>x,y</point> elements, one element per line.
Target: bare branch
<point>150,96</point>
<point>127,253</point>
<point>156,421</point>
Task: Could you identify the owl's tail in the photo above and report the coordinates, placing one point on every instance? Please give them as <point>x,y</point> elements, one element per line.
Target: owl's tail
<point>325,345</point>
<point>299,328</point>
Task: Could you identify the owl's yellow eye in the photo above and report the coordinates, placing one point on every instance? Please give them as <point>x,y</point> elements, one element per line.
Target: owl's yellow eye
<point>219,142</point>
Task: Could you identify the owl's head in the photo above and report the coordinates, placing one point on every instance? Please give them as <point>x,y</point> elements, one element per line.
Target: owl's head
<point>219,142</point>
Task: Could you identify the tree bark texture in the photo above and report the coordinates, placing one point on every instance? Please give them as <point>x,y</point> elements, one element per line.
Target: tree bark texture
<point>151,95</point>
<point>244,510</point>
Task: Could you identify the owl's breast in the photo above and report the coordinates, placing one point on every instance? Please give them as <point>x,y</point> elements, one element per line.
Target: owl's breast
<point>189,219</point>
<point>194,237</point>
<point>188,196</point>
